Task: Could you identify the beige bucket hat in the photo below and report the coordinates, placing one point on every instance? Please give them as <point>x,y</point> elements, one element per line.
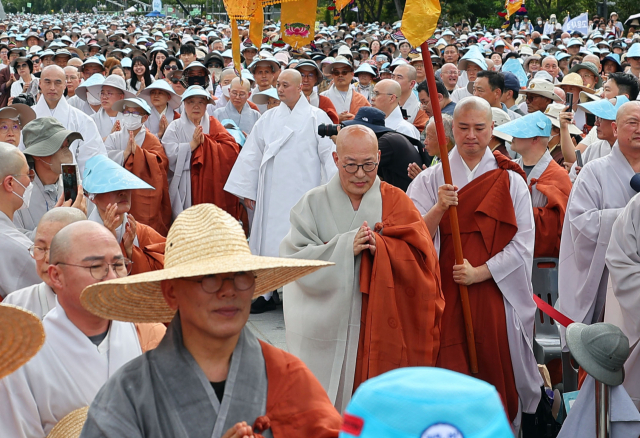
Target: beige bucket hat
<point>553,112</point>
<point>21,337</point>
<point>542,88</point>
<point>203,240</point>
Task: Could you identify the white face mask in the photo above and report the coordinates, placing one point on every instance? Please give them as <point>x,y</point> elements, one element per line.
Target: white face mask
<point>565,41</point>
<point>92,100</point>
<point>26,196</point>
<point>132,122</point>
<point>217,72</point>
<point>225,90</point>
<point>539,22</point>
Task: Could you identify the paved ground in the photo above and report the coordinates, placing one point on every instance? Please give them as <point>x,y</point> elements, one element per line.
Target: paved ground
<point>269,327</point>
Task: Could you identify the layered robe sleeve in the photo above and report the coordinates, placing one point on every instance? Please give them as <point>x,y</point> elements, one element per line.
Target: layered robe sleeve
<point>357,102</point>
<point>402,300</point>
<point>150,335</point>
<point>327,106</point>
<point>421,120</point>
<point>178,152</point>
<point>148,254</point>
<point>211,164</point>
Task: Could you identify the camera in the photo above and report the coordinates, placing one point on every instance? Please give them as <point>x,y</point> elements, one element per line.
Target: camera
<point>25,98</point>
<point>328,130</point>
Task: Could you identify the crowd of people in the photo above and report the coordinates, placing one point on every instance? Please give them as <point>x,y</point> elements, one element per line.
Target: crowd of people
<point>152,197</point>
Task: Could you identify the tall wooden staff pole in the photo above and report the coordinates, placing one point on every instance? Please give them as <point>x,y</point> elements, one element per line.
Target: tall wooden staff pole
<point>453,212</point>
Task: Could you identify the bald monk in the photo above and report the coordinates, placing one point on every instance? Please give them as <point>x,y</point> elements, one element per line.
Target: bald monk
<point>405,75</point>
<point>380,306</point>
<point>238,109</point>
<point>40,298</point>
<point>140,152</point>
<point>386,97</point>
<point>497,241</point>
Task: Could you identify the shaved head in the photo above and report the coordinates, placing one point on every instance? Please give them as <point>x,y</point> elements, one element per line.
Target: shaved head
<point>292,76</point>
<point>227,73</point>
<point>52,72</point>
<point>12,160</point>
<point>62,215</point>
<point>624,110</point>
<point>406,69</point>
<point>356,136</point>
<point>473,103</point>
<point>390,86</point>
<point>74,62</point>
<point>289,86</point>
<point>236,85</point>
<point>73,236</point>
<point>357,158</point>
<point>592,59</point>
<point>70,69</point>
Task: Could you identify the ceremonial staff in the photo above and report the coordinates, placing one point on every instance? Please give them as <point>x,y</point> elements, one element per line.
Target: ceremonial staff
<point>419,21</point>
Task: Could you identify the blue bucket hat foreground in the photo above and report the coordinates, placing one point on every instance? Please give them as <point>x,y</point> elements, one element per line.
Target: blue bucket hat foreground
<point>418,402</point>
<point>604,108</point>
<point>532,125</point>
<point>102,175</point>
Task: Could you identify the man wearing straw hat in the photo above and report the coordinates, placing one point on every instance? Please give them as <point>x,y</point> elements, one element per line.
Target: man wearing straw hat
<point>81,350</point>
<point>499,257</point>
<point>210,376</point>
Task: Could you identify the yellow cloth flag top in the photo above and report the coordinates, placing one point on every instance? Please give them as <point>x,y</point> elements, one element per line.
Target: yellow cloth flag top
<point>256,24</point>
<point>419,20</point>
<point>235,47</point>
<point>340,4</point>
<point>298,22</point>
<point>512,6</point>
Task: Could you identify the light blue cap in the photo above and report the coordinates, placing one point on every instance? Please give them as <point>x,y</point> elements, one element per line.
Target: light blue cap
<point>102,175</point>
<point>95,79</point>
<point>603,108</point>
<point>126,63</point>
<point>561,55</point>
<point>532,125</point>
<point>262,97</point>
<point>634,51</point>
<point>234,130</point>
<point>473,55</point>
<point>418,402</point>
<point>174,99</point>
<point>196,90</point>
<point>135,101</point>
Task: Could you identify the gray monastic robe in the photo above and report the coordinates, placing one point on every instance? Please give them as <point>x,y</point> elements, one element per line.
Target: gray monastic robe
<point>38,298</point>
<point>43,199</point>
<point>164,393</point>
<point>17,268</point>
<point>244,120</point>
<point>322,310</point>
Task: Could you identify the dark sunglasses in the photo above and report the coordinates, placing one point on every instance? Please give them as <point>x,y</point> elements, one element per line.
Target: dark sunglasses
<point>175,80</point>
<point>22,65</point>
<point>171,67</point>
<point>35,61</point>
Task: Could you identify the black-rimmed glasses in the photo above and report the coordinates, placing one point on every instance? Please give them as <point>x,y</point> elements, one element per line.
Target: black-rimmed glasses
<point>353,168</point>
<point>99,271</point>
<point>213,283</point>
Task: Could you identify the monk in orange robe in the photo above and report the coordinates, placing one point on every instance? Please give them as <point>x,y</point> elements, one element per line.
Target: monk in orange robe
<point>344,98</point>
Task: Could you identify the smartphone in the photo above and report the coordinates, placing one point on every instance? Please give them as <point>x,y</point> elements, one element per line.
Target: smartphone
<point>569,102</point>
<point>70,181</point>
<point>579,158</point>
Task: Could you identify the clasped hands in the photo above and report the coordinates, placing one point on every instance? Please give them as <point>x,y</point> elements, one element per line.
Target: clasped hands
<point>365,239</point>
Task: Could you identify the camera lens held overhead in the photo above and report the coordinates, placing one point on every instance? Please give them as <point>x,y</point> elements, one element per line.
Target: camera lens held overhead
<point>328,130</point>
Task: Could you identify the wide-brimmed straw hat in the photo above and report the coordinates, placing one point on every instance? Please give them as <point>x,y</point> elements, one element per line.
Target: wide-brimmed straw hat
<point>21,337</point>
<point>575,80</point>
<point>542,88</point>
<point>71,425</point>
<point>203,240</point>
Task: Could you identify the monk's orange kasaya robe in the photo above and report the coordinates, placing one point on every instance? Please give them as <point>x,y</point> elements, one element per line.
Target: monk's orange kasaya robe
<point>149,254</point>
<point>297,405</point>
<point>402,300</point>
<point>211,164</point>
<point>420,122</point>
<point>150,164</point>
<point>555,184</point>
<point>327,106</point>
<point>487,224</point>
<point>357,102</point>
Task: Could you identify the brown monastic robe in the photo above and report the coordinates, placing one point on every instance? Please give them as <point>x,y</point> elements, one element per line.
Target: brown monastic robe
<point>357,102</point>
<point>402,299</point>
<point>327,106</point>
<point>487,225</point>
<point>149,254</point>
<point>421,120</point>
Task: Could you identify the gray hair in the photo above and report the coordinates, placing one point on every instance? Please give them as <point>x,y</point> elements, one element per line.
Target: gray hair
<point>447,122</point>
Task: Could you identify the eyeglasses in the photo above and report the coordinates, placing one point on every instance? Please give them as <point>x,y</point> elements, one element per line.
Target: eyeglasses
<point>38,253</point>
<point>213,283</point>
<point>241,95</point>
<point>375,93</point>
<point>171,67</point>
<point>135,113</point>
<point>31,174</point>
<point>13,127</point>
<point>23,66</point>
<point>341,72</point>
<point>353,168</point>
<point>99,271</point>
<point>175,80</point>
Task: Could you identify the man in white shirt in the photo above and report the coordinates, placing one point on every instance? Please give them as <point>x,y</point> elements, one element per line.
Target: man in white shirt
<point>385,97</point>
<point>405,75</point>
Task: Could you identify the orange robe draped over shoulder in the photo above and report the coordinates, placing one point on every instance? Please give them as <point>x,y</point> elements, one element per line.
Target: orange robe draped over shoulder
<point>327,106</point>
<point>297,405</point>
<point>149,254</point>
<point>421,120</point>
<point>357,102</point>
<point>211,164</point>
<point>487,224</point>
<point>402,300</point>
<point>150,164</point>
<point>555,184</point>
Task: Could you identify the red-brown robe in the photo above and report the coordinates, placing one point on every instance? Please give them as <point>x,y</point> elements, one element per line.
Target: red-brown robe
<point>487,224</point>
<point>327,106</point>
<point>357,102</point>
<point>253,105</point>
<point>149,254</point>
<point>211,164</point>
<point>554,183</point>
<point>421,120</point>
<point>402,299</point>
<point>297,405</point>
<point>150,164</point>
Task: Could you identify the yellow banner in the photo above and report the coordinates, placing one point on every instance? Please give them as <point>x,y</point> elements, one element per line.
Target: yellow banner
<point>240,9</point>
<point>298,22</point>
<point>256,25</point>
<point>512,7</point>
<point>235,47</point>
<point>419,20</point>
<point>340,4</point>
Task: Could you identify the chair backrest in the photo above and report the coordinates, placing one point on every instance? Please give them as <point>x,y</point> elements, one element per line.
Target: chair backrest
<point>544,278</point>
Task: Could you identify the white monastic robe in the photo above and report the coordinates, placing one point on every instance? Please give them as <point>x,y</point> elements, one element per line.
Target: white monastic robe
<point>323,226</point>
<point>116,143</point>
<point>510,268</point>
<point>105,123</point>
<point>65,375</point>
<point>153,122</point>
<point>283,158</point>
<point>537,198</point>
<point>75,120</point>
<point>396,122</point>
<point>43,199</point>
<point>598,149</point>
<point>244,120</point>
<point>460,93</point>
<point>80,104</point>
<point>411,106</point>
<point>340,101</point>
<point>39,299</point>
<point>623,300</point>
<point>17,268</point>
<point>220,103</point>
<point>599,195</point>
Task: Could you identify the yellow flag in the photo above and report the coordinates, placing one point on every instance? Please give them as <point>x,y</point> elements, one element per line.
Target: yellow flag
<point>298,22</point>
<point>419,20</point>
<point>255,27</point>
<point>340,4</point>
<point>235,47</point>
<point>512,7</point>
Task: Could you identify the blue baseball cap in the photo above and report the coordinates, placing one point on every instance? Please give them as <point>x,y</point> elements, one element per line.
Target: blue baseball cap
<point>511,81</point>
<point>102,175</point>
<point>532,125</point>
<point>634,51</point>
<point>603,108</point>
<point>418,402</point>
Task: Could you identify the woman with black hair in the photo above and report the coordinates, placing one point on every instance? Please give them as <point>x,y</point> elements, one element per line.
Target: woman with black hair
<point>26,82</point>
<point>158,56</point>
<point>49,36</point>
<point>141,75</point>
<point>170,64</point>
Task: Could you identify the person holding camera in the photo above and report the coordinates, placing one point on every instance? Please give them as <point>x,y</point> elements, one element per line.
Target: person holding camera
<point>26,82</point>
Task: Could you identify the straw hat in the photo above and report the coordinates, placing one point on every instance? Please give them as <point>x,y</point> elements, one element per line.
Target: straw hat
<point>203,240</point>
<point>553,112</point>
<point>543,88</point>
<point>574,79</point>
<point>71,425</point>
<point>21,336</point>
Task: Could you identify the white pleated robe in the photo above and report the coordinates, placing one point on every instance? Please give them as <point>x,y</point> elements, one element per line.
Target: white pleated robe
<point>38,298</point>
